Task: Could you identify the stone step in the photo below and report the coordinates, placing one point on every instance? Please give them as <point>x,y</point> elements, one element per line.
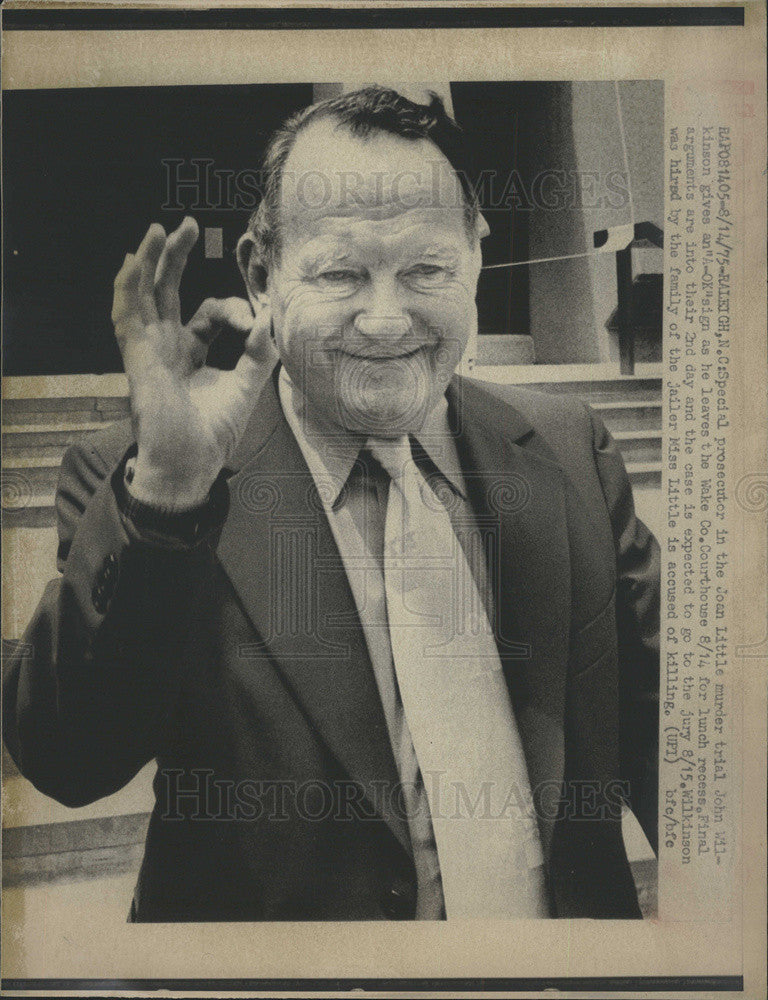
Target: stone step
<point>39,469</point>
<point>639,445</point>
<point>18,439</point>
<point>28,494</point>
<point>644,474</point>
<point>610,405</point>
<point>47,441</point>
<point>34,452</point>
<point>29,486</point>
<point>621,415</point>
<point>78,848</point>
<point>19,426</point>
<point>33,418</point>
<point>633,391</point>
<point>63,410</point>
<point>39,512</point>
<point>55,409</point>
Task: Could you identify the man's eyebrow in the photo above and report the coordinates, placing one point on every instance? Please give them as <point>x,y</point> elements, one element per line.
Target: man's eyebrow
<point>333,252</point>
<point>436,249</point>
<point>339,249</point>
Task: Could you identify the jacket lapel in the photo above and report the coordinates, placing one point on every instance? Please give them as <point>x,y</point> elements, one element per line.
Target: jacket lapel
<point>279,552</point>
<point>518,493</point>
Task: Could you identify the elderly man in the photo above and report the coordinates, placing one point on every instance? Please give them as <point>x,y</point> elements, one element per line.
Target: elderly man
<point>391,637</point>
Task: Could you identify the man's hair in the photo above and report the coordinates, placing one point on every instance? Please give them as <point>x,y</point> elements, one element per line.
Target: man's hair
<point>362,112</point>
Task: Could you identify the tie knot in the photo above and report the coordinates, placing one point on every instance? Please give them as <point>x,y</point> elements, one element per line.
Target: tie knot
<point>392,455</point>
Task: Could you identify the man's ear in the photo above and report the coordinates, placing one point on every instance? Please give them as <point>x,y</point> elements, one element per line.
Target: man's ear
<point>254,273</point>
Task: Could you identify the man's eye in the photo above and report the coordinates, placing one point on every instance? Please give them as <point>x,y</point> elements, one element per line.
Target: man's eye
<point>338,276</point>
<point>427,272</point>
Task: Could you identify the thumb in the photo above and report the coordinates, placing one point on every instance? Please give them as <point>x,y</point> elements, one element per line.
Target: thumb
<point>214,315</point>
<point>260,354</point>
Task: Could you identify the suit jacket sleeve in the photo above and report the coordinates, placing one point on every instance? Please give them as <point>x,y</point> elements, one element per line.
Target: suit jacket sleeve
<point>87,696</point>
<point>637,618</point>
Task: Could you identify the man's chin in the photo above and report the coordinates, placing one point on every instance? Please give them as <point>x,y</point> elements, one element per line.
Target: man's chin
<point>385,397</point>
<point>383,414</point>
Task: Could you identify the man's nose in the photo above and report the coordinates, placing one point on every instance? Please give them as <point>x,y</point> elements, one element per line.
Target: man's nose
<point>383,317</point>
<point>383,328</point>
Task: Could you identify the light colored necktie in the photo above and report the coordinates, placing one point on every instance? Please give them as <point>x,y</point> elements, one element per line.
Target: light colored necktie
<point>457,706</point>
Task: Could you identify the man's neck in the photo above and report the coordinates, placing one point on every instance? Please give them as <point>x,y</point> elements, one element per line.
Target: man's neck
<point>332,449</point>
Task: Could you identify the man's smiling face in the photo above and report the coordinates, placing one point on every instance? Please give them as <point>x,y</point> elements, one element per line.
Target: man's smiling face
<point>373,293</point>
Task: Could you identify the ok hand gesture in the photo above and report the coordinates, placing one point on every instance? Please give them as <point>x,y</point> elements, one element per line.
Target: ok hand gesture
<point>188,417</point>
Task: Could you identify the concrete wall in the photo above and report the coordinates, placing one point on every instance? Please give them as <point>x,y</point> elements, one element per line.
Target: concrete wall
<point>571,300</point>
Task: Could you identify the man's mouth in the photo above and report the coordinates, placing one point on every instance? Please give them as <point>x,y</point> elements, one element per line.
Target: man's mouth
<point>383,356</point>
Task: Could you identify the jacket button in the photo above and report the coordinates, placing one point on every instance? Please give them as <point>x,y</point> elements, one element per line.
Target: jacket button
<point>397,903</point>
<point>105,585</point>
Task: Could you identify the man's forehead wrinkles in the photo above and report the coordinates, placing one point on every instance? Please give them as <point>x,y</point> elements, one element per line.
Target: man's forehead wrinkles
<point>340,243</point>
<point>317,200</point>
<point>365,225</point>
<point>322,250</point>
<point>437,248</point>
<point>370,183</point>
<point>391,210</point>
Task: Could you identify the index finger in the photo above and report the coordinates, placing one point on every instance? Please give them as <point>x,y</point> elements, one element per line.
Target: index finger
<point>259,345</point>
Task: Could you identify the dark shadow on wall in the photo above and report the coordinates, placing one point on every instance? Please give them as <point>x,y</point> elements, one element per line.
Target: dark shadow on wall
<point>84,175</point>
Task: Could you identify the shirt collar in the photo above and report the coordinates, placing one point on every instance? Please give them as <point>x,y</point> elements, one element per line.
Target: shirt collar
<point>330,453</point>
<point>439,443</point>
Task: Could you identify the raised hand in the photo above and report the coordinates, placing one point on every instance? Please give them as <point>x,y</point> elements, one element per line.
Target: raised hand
<point>188,417</point>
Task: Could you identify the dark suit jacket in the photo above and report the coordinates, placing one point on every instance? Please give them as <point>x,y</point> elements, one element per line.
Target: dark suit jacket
<point>239,664</point>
